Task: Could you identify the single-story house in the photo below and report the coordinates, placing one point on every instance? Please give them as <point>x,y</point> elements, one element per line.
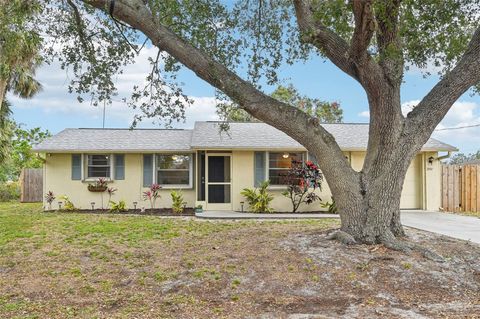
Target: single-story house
<point>210,167</point>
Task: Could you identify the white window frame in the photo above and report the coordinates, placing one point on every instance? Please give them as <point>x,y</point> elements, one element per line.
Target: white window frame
<point>85,165</point>
<point>174,186</point>
<point>267,166</point>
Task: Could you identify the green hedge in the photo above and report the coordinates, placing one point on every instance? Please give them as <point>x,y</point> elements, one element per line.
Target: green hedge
<point>9,191</point>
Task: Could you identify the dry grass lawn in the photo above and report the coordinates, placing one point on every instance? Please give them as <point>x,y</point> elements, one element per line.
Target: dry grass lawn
<point>69,265</point>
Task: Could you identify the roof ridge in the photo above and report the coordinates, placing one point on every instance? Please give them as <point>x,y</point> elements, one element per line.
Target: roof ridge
<point>128,129</point>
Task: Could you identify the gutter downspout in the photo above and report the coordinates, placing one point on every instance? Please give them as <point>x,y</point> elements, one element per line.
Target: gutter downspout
<point>449,153</point>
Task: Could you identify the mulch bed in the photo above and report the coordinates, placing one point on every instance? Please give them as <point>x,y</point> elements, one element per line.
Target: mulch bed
<point>320,212</point>
<point>148,212</point>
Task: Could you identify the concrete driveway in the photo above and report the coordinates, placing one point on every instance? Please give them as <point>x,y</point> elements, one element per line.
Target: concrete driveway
<point>457,226</point>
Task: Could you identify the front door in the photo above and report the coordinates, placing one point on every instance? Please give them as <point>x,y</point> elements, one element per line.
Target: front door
<point>219,181</point>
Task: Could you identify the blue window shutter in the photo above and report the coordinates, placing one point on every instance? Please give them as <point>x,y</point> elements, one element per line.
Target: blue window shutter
<point>147,170</point>
<point>259,164</point>
<point>119,167</point>
<point>76,167</point>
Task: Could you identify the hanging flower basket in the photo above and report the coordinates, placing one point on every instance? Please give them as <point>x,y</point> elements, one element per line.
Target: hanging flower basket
<point>98,189</point>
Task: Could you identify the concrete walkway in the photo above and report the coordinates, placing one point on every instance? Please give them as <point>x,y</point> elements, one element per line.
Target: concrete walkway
<point>456,226</point>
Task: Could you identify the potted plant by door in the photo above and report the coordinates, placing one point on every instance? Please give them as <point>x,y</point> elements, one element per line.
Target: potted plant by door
<point>100,186</point>
<point>198,209</point>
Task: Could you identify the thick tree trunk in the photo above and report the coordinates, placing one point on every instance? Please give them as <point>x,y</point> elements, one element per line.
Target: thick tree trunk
<point>369,204</point>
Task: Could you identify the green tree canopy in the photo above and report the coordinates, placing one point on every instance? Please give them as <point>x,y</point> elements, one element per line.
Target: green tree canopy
<point>21,155</point>
<point>325,112</point>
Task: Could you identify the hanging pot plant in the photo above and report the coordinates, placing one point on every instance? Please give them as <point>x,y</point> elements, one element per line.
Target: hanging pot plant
<point>99,186</point>
<point>95,188</point>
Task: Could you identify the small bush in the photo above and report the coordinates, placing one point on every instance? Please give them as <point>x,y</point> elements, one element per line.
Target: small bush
<point>259,202</point>
<point>118,207</point>
<point>68,205</point>
<point>177,201</point>
<point>331,207</point>
<point>9,191</point>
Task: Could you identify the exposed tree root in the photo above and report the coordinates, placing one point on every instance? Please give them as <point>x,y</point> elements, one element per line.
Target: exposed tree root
<point>406,247</point>
<point>389,241</point>
<point>343,237</point>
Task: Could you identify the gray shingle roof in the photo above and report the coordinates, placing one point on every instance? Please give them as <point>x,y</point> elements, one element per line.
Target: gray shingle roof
<point>77,140</point>
<point>350,137</point>
<point>205,135</point>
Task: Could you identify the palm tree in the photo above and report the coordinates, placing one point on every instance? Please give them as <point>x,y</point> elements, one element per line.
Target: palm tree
<point>19,58</point>
<point>5,131</point>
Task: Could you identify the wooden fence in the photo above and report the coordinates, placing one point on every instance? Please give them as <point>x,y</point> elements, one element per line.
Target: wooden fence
<point>461,188</point>
<point>31,185</point>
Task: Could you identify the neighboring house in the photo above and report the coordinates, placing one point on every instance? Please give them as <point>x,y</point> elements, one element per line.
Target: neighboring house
<point>211,167</point>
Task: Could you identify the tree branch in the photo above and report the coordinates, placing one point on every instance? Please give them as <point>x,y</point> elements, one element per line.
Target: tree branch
<point>299,125</point>
<point>388,41</point>
<point>352,59</point>
<point>364,29</point>
<point>435,105</point>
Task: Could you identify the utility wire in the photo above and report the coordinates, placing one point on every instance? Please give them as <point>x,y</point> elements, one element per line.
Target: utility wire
<point>457,128</point>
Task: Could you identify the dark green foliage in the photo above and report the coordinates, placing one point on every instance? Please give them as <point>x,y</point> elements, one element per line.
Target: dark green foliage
<point>326,112</point>
<point>461,158</point>
<point>331,206</point>
<point>21,156</point>
<point>9,191</point>
<point>252,38</point>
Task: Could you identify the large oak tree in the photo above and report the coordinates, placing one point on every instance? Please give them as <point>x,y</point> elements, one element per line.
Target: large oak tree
<point>236,47</point>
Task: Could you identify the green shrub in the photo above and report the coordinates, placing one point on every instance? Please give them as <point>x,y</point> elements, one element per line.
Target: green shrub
<point>118,207</point>
<point>68,205</point>
<point>177,201</point>
<point>259,202</point>
<point>9,191</point>
<point>331,207</point>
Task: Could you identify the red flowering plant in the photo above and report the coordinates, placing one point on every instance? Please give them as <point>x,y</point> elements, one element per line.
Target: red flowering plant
<point>302,179</point>
<point>49,198</point>
<point>111,191</point>
<point>152,194</point>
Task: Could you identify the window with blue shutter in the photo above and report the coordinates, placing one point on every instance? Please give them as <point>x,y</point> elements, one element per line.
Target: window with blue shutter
<point>259,164</point>
<point>119,167</point>
<point>147,170</point>
<point>76,167</point>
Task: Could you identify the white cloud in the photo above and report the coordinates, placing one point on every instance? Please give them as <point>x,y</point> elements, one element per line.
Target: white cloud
<point>55,101</point>
<point>462,113</point>
<point>364,114</point>
<point>407,107</point>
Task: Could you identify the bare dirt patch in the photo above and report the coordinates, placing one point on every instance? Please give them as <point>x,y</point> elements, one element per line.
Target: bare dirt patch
<point>93,266</point>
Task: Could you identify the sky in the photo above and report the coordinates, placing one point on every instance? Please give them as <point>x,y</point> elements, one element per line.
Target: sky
<point>55,109</point>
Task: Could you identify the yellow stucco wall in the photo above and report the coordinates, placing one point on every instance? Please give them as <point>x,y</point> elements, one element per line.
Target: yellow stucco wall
<point>425,179</point>
<point>58,179</point>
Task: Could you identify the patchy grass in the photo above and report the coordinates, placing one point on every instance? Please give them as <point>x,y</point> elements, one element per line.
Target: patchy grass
<point>67,265</point>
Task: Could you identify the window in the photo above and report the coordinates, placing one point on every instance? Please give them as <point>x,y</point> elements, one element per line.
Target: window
<point>279,164</point>
<point>76,167</point>
<point>174,169</point>
<point>98,166</point>
<point>119,160</point>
